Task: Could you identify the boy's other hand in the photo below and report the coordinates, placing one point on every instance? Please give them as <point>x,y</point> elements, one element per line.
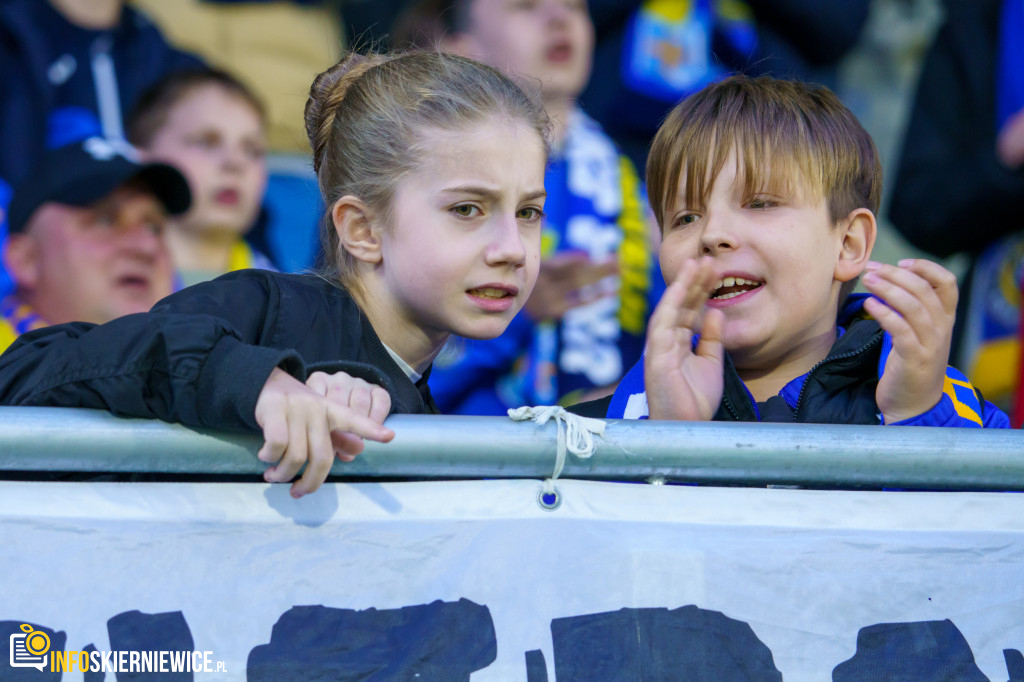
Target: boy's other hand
<point>308,424</point>
<point>566,281</point>
<point>920,307</point>
<point>684,383</point>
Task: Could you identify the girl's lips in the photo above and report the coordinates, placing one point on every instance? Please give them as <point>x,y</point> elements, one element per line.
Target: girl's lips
<point>494,298</point>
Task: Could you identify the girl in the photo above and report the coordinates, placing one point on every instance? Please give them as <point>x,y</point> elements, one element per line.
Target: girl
<point>432,167</point>
<point>585,323</point>
<point>211,127</point>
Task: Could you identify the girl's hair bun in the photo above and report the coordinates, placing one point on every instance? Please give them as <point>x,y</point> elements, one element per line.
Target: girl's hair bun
<point>327,92</point>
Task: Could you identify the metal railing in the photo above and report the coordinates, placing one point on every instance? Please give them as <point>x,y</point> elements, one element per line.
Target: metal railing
<point>829,456</point>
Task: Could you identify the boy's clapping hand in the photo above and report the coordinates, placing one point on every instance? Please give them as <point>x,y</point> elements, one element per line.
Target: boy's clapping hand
<point>685,383</point>
<point>308,424</point>
<point>919,309</point>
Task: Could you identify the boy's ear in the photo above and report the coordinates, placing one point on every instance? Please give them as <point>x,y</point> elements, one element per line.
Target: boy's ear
<point>859,230</point>
<point>357,231</point>
<point>21,257</point>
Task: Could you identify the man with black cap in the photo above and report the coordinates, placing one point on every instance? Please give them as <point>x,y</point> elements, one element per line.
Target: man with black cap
<point>85,239</point>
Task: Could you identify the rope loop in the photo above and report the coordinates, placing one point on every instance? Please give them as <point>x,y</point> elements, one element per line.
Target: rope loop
<point>574,433</point>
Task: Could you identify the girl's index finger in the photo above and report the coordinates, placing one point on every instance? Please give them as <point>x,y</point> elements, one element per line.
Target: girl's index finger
<point>342,418</point>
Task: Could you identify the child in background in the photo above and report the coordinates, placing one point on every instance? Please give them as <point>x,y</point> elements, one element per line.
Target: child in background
<point>431,230</point>
<point>209,125</point>
<point>766,192</point>
<point>584,325</point>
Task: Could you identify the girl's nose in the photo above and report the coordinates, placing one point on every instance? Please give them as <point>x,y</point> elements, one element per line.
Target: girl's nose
<point>507,246</point>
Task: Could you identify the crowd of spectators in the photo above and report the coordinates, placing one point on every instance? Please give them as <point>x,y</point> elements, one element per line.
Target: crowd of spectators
<point>210,86</point>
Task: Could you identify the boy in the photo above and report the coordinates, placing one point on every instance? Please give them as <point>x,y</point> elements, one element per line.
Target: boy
<point>766,193</point>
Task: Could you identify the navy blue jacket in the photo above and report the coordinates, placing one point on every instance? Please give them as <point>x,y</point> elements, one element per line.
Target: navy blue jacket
<point>39,78</point>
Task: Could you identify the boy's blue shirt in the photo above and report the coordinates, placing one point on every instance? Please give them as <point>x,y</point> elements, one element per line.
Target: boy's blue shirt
<point>960,405</point>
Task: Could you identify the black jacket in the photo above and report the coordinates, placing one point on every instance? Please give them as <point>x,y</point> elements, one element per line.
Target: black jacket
<point>202,355</point>
<point>838,390</point>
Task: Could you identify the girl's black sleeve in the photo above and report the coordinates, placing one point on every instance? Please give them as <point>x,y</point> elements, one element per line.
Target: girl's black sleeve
<point>200,357</point>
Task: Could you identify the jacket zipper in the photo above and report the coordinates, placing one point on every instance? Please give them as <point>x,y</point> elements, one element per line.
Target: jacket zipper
<point>753,403</point>
<point>732,410</point>
<point>876,339</point>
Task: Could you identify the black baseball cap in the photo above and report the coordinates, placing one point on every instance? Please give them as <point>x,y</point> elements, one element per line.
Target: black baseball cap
<point>82,173</point>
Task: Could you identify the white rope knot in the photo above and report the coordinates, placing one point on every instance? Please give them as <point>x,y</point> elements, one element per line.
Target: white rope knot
<point>575,434</point>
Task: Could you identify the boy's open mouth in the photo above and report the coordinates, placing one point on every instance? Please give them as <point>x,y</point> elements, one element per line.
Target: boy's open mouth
<point>730,287</point>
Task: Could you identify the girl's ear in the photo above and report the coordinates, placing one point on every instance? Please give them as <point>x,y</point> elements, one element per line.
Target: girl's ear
<point>859,230</point>
<point>357,231</point>
<point>21,256</point>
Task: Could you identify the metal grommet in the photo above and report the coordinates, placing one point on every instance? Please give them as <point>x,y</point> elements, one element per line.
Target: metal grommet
<point>549,501</point>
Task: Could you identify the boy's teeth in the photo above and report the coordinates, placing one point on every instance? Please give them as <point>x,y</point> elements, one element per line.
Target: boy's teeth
<point>725,284</point>
<point>733,281</point>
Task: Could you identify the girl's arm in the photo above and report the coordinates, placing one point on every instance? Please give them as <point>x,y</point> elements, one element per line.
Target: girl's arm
<point>201,357</point>
<point>192,369</point>
<point>207,356</point>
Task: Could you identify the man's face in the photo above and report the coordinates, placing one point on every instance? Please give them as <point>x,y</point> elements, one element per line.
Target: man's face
<point>552,40</point>
<point>95,263</point>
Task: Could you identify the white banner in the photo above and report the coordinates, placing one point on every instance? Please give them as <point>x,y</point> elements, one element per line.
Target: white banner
<point>474,580</point>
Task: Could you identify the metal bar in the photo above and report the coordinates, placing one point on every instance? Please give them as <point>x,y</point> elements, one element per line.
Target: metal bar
<point>831,456</point>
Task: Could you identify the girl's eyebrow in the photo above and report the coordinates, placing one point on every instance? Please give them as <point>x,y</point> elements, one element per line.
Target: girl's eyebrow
<point>491,194</point>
